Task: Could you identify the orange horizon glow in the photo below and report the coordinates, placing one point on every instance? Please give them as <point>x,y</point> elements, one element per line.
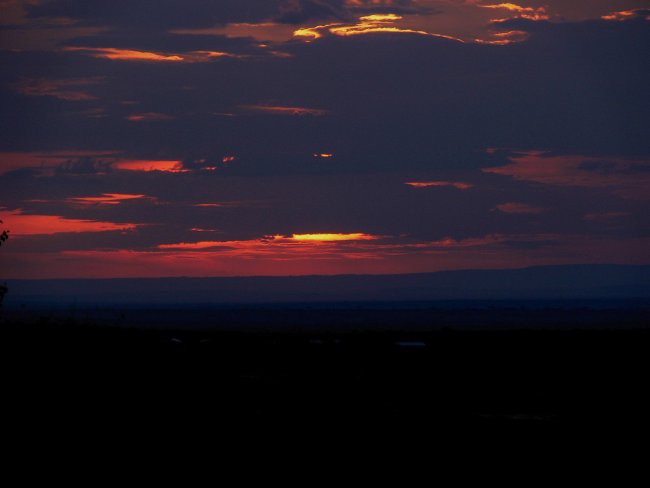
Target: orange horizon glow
<point>275,240</point>
<point>265,258</point>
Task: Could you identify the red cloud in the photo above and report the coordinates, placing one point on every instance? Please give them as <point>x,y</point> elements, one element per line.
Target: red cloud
<point>26,225</point>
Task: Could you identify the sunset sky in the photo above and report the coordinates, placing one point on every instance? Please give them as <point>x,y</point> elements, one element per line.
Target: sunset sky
<point>150,138</point>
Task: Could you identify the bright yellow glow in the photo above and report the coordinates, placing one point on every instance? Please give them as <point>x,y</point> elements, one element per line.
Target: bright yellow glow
<point>308,32</point>
<point>375,23</point>
<point>530,13</point>
<point>333,237</point>
<point>380,18</point>
<point>504,38</point>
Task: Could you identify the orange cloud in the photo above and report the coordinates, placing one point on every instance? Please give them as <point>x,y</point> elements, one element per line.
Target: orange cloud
<point>369,24</point>
<point>312,32</point>
<point>106,199</point>
<point>519,209</point>
<point>281,110</point>
<point>629,178</point>
<point>26,225</point>
<point>124,54</point>
<point>116,54</point>
<point>530,13</point>
<point>149,117</point>
<point>202,56</point>
<point>147,165</point>
<point>429,184</point>
<point>627,15</point>
<point>504,38</point>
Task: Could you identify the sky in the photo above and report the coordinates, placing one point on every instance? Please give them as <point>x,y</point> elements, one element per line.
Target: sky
<point>293,137</point>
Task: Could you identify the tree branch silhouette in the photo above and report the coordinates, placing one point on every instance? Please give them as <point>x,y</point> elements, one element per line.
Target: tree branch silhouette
<point>4,236</point>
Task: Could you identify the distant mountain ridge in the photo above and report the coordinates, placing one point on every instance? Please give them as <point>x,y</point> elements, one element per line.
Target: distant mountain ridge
<point>546,282</point>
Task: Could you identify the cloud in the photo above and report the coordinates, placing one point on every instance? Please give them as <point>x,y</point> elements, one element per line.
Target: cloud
<point>28,225</point>
<point>437,184</point>
<point>612,174</point>
<point>149,165</point>
<point>625,15</point>
<point>105,199</point>
<point>72,90</point>
<point>75,161</point>
<point>125,54</point>
<point>530,13</point>
<point>408,117</point>
<point>368,24</point>
<point>518,208</point>
<point>282,110</point>
<point>149,117</point>
<point>159,14</point>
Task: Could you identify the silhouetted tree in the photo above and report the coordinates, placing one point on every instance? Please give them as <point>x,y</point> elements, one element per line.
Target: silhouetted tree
<point>4,235</point>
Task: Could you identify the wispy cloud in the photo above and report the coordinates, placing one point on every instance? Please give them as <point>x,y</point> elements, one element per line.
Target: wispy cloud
<point>518,208</point>
<point>26,225</point>
<point>459,185</point>
<point>70,90</point>
<point>285,110</point>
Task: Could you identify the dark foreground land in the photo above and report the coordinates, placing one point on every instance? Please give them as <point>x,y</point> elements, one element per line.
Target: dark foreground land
<point>430,373</point>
